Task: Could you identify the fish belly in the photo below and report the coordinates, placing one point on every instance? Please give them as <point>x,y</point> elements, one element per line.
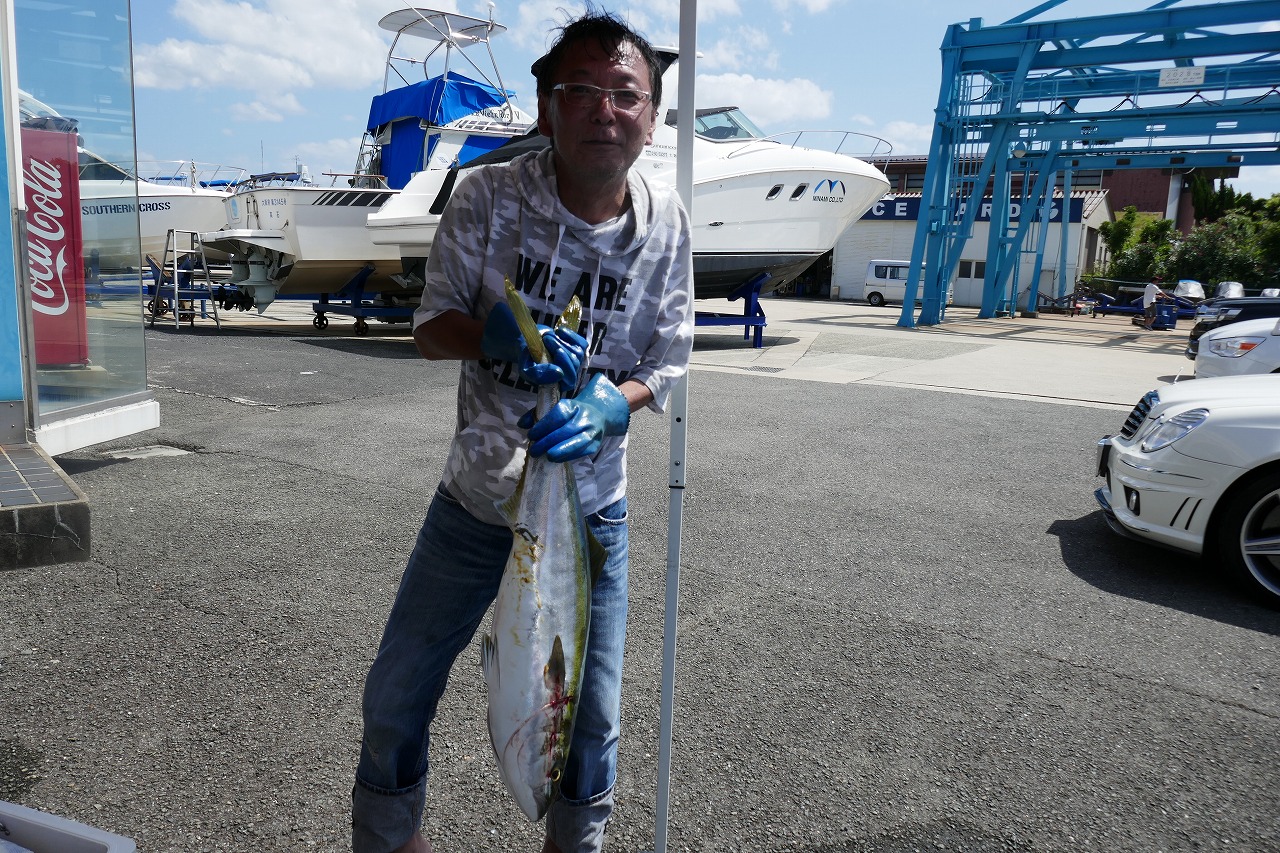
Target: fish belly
<point>534,656</point>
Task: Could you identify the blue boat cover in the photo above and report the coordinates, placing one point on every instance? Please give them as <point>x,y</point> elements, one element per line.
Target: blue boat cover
<point>439,101</point>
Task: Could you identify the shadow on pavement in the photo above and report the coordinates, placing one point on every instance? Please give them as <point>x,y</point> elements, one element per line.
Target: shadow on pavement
<point>74,466</point>
<point>1113,564</point>
<point>400,348</point>
<point>704,342</point>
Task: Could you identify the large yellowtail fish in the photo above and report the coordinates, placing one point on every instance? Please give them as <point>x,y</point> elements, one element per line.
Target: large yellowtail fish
<point>533,659</point>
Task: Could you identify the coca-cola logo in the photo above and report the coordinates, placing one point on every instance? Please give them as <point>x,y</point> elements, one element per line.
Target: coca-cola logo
<point>46,238</point>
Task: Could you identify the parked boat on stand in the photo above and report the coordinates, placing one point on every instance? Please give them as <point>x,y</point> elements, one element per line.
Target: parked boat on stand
<point>764,207</point>
<point>290,237</point>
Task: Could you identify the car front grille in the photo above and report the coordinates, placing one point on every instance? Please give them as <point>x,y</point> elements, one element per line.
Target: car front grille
<point>1139,414</point>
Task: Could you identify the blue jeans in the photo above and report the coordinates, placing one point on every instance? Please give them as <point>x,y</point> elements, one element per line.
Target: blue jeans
<point>451,579</point>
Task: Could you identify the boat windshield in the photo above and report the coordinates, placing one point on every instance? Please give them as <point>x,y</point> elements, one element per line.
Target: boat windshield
<point>721,123</point>
<point>94,168</point>
<point>731,123</point>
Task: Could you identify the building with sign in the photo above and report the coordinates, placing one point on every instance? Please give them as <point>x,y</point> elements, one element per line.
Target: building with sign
<point>888,229</point>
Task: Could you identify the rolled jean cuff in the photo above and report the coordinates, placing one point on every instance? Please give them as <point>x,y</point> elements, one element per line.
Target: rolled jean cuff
<point>577,826</point>
<point>382,820</point>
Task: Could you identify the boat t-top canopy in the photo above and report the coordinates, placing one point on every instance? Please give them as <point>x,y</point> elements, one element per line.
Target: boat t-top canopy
<point>460,30</point>
<point>450,33</point>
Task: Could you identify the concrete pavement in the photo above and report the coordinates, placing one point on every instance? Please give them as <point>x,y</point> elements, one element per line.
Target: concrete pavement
<point>1075,360</point>
<point>903,623</point>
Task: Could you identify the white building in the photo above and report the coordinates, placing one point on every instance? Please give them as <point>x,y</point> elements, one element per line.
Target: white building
<point>888,230</point>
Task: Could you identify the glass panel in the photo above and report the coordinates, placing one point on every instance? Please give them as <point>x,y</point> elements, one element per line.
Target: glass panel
<point>966,269</point>
<point>75,80</point>
<point>726,123</point>
<point>980,269</point>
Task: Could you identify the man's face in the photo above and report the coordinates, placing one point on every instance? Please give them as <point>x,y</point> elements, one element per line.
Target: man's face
<point>598,142</point>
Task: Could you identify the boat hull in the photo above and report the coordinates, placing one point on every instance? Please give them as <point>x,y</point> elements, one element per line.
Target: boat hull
<point>757,207</point>
<point>717,276</point>
<point>296,241</point>
<point>113,219</point>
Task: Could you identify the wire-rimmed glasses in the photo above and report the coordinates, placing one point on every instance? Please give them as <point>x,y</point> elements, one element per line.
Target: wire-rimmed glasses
<point>583,95</point>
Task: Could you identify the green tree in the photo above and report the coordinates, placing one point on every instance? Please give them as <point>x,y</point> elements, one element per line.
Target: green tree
<point>1116,233</point>
<point>1268,242</point>
<point>1223,250</point>
<point>1146,257</point>
<point>1210,202</point>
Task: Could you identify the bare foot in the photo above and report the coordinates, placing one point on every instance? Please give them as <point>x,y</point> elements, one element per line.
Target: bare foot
<point>416,844</point>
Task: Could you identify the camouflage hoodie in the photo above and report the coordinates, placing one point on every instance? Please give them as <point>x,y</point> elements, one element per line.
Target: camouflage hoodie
<point>634,275</point>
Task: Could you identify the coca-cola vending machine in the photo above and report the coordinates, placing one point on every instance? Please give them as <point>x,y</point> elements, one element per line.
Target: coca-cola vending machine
<point>55,246</point>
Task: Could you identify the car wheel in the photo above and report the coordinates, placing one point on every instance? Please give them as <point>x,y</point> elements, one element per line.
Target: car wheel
<point>875,299</point>
<point>1249,539</point>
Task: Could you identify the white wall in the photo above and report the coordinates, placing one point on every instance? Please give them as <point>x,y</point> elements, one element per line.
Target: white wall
<point>869,239</point>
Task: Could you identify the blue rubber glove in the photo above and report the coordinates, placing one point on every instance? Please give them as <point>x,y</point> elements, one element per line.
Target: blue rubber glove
<point>566,350</point>
<point>576,427</point>
<point>566,353</point>
<point>501,340</point>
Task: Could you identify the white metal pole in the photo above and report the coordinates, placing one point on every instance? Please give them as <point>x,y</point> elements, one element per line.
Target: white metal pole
<point>679,422</point>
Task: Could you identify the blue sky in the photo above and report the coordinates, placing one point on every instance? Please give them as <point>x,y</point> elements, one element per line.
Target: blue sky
<point>265,84</point>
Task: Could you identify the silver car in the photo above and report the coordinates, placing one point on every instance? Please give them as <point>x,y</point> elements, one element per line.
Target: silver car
<point>1196,467</point>
<point>1252,346</point>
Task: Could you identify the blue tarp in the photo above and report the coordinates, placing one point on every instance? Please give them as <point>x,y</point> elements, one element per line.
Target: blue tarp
<point>439,101</point>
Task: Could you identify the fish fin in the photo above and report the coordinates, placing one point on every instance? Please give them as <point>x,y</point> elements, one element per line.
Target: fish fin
<point>554,674</point>
<point>510,506</point>
<point>489,660</point>
<point>572,316</point>
<point>596,556</point>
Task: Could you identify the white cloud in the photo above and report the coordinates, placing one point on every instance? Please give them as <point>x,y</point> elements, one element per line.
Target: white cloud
<point>906,137</point>
<point>771,104</point>
<point>813,7</point>
<point>174,64</point>
<point>268,108</point>
<point>334,155</point>
<point>708,11</point>
<point>742,47</point>
<point>278,44</point>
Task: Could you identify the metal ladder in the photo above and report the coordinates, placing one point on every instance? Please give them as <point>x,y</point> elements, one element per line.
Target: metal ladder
<point>183,273</point>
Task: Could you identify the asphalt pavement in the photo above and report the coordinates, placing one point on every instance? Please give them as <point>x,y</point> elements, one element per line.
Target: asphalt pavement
<point>903,622</point>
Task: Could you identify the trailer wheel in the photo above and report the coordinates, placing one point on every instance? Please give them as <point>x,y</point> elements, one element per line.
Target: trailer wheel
<point>320,321</point>
<point>362,328</point>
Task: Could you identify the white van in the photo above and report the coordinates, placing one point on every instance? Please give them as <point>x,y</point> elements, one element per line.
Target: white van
<point>887,282</point>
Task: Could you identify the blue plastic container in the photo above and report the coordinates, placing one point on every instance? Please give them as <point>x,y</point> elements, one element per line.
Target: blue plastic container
<point>1166,316</point>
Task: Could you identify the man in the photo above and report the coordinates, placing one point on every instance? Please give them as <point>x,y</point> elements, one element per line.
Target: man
<point>1151,295</point>
<point>571,220</point>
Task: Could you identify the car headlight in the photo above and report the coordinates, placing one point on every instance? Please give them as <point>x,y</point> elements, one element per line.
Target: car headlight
<point>1166,431</point>
<point>1233,347</point>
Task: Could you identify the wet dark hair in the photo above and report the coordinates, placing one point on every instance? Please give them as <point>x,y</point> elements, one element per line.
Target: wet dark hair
<point>608,31</point>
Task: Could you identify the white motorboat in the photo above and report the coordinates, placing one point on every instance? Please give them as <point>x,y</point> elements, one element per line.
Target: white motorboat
<point>761,204</point>
<point>290,236</point>
<point>118,204</point>
<point>181,195</point>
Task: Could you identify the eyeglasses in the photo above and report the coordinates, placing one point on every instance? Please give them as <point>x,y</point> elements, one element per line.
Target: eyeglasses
<point>583,95</point>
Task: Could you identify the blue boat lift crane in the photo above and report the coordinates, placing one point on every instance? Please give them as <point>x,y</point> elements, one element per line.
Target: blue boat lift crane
<point>1038,100</point>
